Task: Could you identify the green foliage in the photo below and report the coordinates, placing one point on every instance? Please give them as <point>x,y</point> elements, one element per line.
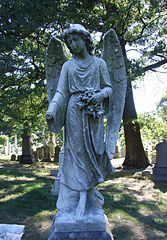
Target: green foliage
<point>26,28</point>
<point>3,138</point>
<point>162,107</point>
<point>153,128</point>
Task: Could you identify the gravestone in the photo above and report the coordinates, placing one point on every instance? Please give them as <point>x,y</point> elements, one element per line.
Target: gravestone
<point>122,152</point>
<point>35,155</point>
<point>116,154</point>
<point>15,142</point>
<point>51,144</point>
<point>39,153</point>
<point>160,169</point>
<point>6,147</point>
<point>13,157</point>
<point>9,148</point>
<point>57,151</point>
<point>26,157</point>
<point>46,151</point>
<point>11,231</point>
<point>153,158</point>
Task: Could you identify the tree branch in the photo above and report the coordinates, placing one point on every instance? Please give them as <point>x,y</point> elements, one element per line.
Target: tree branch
<point>155,65</point>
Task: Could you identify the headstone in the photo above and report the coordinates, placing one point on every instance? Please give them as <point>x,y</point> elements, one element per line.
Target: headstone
<point>122,152</point>
<point>35,155</point>
<point>116,154</point>
<point>46,157</point>
<point>11,231</point>
<point>15,142</point>
<point>9,148</point>
<point>13,157</point>
<point>57,151</point>
<point>40,153</point>
<point>51,144</point>
<point>160,169</point>
<point>54,172</point>
<point>153,158</point>
<point>6,147</point>
<point>26,157</point>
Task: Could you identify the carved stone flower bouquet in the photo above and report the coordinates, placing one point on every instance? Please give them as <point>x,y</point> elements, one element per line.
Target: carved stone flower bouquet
<point>84,102</point>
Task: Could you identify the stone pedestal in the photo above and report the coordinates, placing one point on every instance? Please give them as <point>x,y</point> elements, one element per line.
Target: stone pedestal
<point>92,227</point>
<point>160,169</point>
<point>56,185</point>
<point>26,157</point>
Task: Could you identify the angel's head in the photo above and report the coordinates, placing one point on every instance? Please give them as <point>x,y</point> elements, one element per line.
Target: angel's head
<point>79,30</point>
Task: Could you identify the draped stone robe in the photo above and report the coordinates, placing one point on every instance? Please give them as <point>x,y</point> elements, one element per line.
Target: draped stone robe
<point>84,146</point>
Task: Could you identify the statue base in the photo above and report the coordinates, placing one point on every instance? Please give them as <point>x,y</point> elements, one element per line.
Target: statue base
<point>91,227</point>
<point>26,159</point>
<point>80,236</point>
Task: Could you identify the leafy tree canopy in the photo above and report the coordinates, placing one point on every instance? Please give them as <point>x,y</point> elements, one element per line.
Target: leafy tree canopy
<point>26,27</point>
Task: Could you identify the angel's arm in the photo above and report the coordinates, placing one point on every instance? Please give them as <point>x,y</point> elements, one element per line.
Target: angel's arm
<point>56,111</point>
<point>106,87</point>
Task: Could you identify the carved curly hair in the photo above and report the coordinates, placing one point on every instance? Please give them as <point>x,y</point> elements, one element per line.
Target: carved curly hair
<point>81,32</point>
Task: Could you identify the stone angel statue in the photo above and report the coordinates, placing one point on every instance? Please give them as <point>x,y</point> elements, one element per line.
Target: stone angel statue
<point>82,91</point>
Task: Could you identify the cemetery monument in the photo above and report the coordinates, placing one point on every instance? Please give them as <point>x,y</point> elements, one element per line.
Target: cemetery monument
<point>81,92</point>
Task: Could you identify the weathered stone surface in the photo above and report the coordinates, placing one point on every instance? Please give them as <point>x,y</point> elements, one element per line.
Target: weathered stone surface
<point>80,91</point>
<point>11,232</point>
<point>54,172</point>
<point>81,236</point>
<point>160,169</point>
<point>26,157</point>
<point>13,157</point>
<point>56,187</point>
<point>92,227</point>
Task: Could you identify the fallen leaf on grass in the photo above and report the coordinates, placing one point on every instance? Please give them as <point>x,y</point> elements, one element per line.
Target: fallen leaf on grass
<point>146,226</point>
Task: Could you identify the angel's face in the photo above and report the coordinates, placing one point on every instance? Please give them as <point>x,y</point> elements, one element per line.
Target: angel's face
<point>76,43</point>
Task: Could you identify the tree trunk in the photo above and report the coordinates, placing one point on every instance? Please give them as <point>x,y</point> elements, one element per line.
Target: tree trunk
<point>135,154</point>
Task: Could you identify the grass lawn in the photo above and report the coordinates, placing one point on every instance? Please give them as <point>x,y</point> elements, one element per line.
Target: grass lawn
<point>135,206</point>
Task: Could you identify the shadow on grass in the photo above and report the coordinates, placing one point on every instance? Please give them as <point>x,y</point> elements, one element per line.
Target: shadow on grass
<point>122,202</point>
<point>24,194</point>
<point>162,186</point>
<point>26,200</point>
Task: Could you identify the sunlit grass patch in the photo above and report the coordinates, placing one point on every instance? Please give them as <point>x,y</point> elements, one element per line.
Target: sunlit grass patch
<point>135,206</point>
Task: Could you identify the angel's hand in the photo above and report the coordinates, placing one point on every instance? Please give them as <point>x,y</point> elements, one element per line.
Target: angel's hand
<point>97,98</point>
<point>49,116</point>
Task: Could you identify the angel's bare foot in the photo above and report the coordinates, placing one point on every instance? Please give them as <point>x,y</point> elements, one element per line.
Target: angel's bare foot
<point>80,210</point>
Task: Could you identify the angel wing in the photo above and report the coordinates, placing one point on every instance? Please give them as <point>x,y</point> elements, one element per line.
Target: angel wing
<point>112,54</point>
<point>55,58</point>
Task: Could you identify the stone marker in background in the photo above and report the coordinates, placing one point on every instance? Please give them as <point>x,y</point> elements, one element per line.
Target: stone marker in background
<point>35,156</point>
<point>40,153</point>
<point>26,157</point>
<point>13,157</point>
<point>51,144</point>
<point>57,151</point>
<point>5,147</point>
<point>46,157</point>
<point>11,231</point>
<point>160,169</point>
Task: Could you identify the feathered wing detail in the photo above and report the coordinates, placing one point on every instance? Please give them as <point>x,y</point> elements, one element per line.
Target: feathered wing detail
<point>55,58</point>
<point>112,54</point>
